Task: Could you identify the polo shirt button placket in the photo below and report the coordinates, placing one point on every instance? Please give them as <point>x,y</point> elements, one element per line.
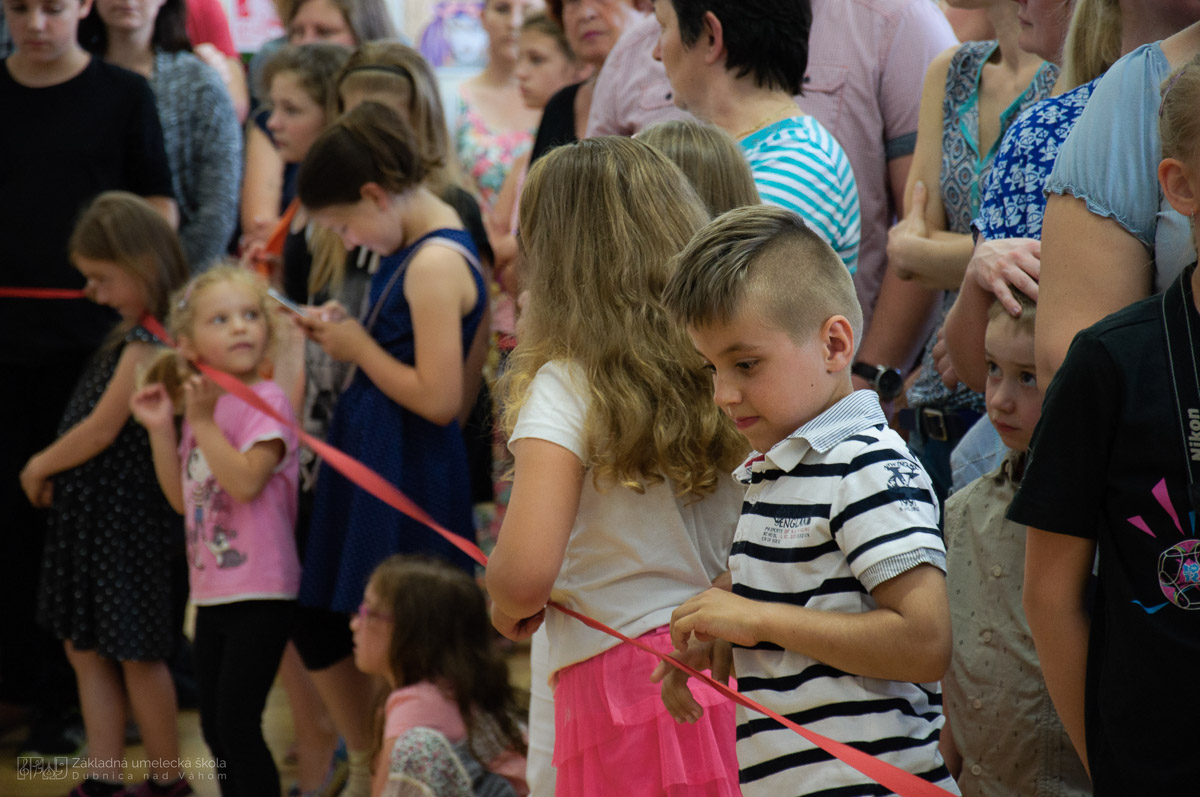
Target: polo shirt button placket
<point>976,770</point>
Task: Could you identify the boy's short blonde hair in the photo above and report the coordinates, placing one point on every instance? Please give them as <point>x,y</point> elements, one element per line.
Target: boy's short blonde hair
<point>763,260</point>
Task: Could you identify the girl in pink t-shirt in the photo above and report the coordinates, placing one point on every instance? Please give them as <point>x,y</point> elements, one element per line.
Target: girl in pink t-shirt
<point>232,472</point>
<point>423,626</point>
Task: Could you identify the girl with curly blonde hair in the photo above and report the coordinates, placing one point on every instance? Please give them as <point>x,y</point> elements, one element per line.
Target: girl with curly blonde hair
<point>621,503</point>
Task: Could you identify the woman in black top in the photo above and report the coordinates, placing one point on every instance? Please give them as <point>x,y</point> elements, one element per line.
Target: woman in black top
<point>592,28</point>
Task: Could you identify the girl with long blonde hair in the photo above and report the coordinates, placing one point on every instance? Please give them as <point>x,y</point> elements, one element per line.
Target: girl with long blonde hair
<point>620,505</point>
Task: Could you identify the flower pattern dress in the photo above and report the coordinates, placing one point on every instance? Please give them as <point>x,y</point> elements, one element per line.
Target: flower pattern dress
<point>486,154</point>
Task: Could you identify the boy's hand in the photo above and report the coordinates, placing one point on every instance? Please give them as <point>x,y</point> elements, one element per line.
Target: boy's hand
<point>713,614</point>
<point>516,628</point>
<point>676,696</point>
<point>200,396</point>
<point>152,407</point>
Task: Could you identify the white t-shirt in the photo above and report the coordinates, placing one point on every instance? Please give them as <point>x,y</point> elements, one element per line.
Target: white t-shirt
<point>631,558</point>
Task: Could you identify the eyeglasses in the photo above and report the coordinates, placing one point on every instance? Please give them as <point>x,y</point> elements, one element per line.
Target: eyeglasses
<point>366,613</point>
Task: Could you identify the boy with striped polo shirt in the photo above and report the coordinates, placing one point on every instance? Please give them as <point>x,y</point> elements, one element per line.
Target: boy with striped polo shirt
<point>838,615</point>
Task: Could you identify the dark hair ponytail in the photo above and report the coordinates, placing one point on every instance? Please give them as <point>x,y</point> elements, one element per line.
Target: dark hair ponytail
<point>370,144</point>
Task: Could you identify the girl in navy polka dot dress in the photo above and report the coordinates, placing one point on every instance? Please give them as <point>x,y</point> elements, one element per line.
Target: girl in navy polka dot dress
<point>106,575</point>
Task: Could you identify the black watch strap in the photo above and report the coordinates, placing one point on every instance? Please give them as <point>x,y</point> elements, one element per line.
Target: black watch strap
<point>886,381</point>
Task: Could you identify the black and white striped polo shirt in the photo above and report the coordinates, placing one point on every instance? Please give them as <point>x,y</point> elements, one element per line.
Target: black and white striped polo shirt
<point>830,513</point>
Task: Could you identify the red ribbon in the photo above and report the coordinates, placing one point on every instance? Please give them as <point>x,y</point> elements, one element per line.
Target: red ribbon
<point>904,784</point>
<point>42,293</point>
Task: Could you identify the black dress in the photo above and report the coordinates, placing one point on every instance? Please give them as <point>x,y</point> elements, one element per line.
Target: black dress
<point>106,571</point>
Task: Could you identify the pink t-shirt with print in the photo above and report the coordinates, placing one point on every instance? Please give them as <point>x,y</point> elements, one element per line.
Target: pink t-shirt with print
<point>242,551</point>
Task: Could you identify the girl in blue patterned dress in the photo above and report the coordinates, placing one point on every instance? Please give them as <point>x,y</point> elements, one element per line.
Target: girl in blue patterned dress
<point>363,180</point>
<point>107,572</point>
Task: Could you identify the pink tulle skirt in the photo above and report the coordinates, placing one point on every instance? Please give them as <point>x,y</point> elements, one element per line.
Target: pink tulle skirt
<point>613,736</point>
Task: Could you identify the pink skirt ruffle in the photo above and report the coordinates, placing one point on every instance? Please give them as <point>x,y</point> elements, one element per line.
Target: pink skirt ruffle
<point>613,736</point>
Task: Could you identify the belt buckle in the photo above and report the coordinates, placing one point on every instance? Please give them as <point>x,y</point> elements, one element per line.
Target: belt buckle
<point>935,424</point>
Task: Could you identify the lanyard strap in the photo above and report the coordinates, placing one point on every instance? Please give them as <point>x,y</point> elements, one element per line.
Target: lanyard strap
<point>1177,309</point>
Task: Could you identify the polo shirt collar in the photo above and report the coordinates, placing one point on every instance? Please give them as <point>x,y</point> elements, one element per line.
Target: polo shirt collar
<point>855,413</point>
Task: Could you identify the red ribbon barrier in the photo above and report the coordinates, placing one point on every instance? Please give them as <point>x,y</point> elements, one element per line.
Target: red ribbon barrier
<point>42,293</point>
<point>904,784</point>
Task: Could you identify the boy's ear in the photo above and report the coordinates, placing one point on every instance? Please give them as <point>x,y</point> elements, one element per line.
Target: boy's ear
<point>375,194</point>
<point>1178,185</point>
<point>837,337</point>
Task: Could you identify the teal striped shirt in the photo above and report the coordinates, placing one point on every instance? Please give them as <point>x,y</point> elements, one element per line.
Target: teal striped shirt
<point>798,165</point>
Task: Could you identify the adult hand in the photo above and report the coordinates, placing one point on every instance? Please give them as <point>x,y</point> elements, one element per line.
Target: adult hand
<point>907,237</point>
<point>152,407</point>
<point>256,257</point>
<point>941,361</point>
<point>1006,263</point>
<point>516,628</point>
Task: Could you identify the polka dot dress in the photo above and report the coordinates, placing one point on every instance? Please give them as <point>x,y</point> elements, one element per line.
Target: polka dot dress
<point>106,574</point>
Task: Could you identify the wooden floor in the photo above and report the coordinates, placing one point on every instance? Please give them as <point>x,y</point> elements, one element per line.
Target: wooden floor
<point>277,727</point>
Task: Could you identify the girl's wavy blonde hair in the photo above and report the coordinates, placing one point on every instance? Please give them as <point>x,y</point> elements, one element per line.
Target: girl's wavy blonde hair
<point>170,368</point>
<point>601,221</point>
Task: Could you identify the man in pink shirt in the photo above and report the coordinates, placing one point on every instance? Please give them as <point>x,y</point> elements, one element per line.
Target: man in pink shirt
<point>866,64</point>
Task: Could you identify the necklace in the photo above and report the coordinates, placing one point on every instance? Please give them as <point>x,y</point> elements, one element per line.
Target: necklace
<point>780,111</point>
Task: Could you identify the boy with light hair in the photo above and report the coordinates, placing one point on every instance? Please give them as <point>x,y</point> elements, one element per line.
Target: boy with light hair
<point>838,616</point>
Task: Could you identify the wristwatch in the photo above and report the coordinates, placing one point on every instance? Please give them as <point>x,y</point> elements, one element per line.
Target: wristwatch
<point>887,382</point>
